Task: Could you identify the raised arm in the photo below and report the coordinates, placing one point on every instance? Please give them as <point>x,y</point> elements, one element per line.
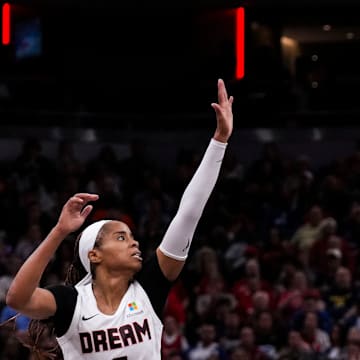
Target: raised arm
<point>175,245</point>
<point>24,295</point>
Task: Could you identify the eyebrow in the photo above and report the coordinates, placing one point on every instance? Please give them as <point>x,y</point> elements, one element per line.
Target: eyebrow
<point>123,233</point>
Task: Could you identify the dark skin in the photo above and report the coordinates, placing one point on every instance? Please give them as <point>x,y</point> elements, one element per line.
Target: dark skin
<point>116,259</point>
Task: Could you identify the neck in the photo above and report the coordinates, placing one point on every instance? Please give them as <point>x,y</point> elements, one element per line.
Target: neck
<point>109,291</point>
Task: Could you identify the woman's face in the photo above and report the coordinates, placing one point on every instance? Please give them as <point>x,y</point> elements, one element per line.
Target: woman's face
<point>117,251</point>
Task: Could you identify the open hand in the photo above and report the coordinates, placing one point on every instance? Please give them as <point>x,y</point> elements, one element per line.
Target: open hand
<point>75,211</point>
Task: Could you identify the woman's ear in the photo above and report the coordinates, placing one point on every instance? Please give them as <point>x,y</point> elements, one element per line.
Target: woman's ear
<point>94,256</point>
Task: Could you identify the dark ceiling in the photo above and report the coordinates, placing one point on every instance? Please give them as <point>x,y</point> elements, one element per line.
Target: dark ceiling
<point>138,56</point>
<point>285,4</point>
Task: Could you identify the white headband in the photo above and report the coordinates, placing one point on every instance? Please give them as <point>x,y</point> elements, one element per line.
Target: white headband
<point>87,243</point>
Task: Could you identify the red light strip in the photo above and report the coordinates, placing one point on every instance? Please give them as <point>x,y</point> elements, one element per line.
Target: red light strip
<point>240,42</point>
<point>6,24</point>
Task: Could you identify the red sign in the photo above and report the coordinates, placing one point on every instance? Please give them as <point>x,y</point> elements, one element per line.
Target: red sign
<point>6,17</point>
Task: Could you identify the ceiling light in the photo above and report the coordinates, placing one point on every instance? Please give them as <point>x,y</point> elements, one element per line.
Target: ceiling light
<point>317,135</point>
<point>314,84</point>
<point>264,135</point>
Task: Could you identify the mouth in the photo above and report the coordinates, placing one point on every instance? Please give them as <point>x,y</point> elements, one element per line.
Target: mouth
<point>137,255</point>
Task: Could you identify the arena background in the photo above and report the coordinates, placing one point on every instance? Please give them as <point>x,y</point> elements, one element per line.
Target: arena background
<point>120,82</point>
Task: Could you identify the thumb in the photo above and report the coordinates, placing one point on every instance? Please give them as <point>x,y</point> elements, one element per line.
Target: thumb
<point>216,107</point>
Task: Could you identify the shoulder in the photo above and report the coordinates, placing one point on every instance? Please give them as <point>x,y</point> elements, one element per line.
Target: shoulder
<point>154,283</point>
<point>151,273</point>
<point>66,298</point>
<point>63,291</point>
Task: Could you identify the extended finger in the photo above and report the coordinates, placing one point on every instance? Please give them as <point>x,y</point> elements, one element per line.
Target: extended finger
<point>222,93</point>
<point>86,196</point>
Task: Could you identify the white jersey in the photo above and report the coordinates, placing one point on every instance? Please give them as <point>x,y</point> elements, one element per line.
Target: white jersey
<point>132,333</point>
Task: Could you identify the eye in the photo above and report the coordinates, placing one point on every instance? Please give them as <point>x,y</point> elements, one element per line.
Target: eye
<point>121,237</point>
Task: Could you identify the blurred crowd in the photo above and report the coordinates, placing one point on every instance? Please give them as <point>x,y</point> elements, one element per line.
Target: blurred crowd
<point>273,268</point>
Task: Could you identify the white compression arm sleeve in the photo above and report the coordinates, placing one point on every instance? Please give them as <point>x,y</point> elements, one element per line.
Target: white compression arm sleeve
<point>178,237</point>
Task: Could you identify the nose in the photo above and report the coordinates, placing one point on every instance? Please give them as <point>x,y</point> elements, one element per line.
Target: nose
<point>135,243</point>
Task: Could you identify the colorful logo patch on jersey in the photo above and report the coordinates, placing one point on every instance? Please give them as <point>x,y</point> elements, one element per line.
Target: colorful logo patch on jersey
<point>132,306</point>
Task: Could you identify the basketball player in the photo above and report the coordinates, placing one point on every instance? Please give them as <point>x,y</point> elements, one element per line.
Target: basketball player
<point>110,306</point>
